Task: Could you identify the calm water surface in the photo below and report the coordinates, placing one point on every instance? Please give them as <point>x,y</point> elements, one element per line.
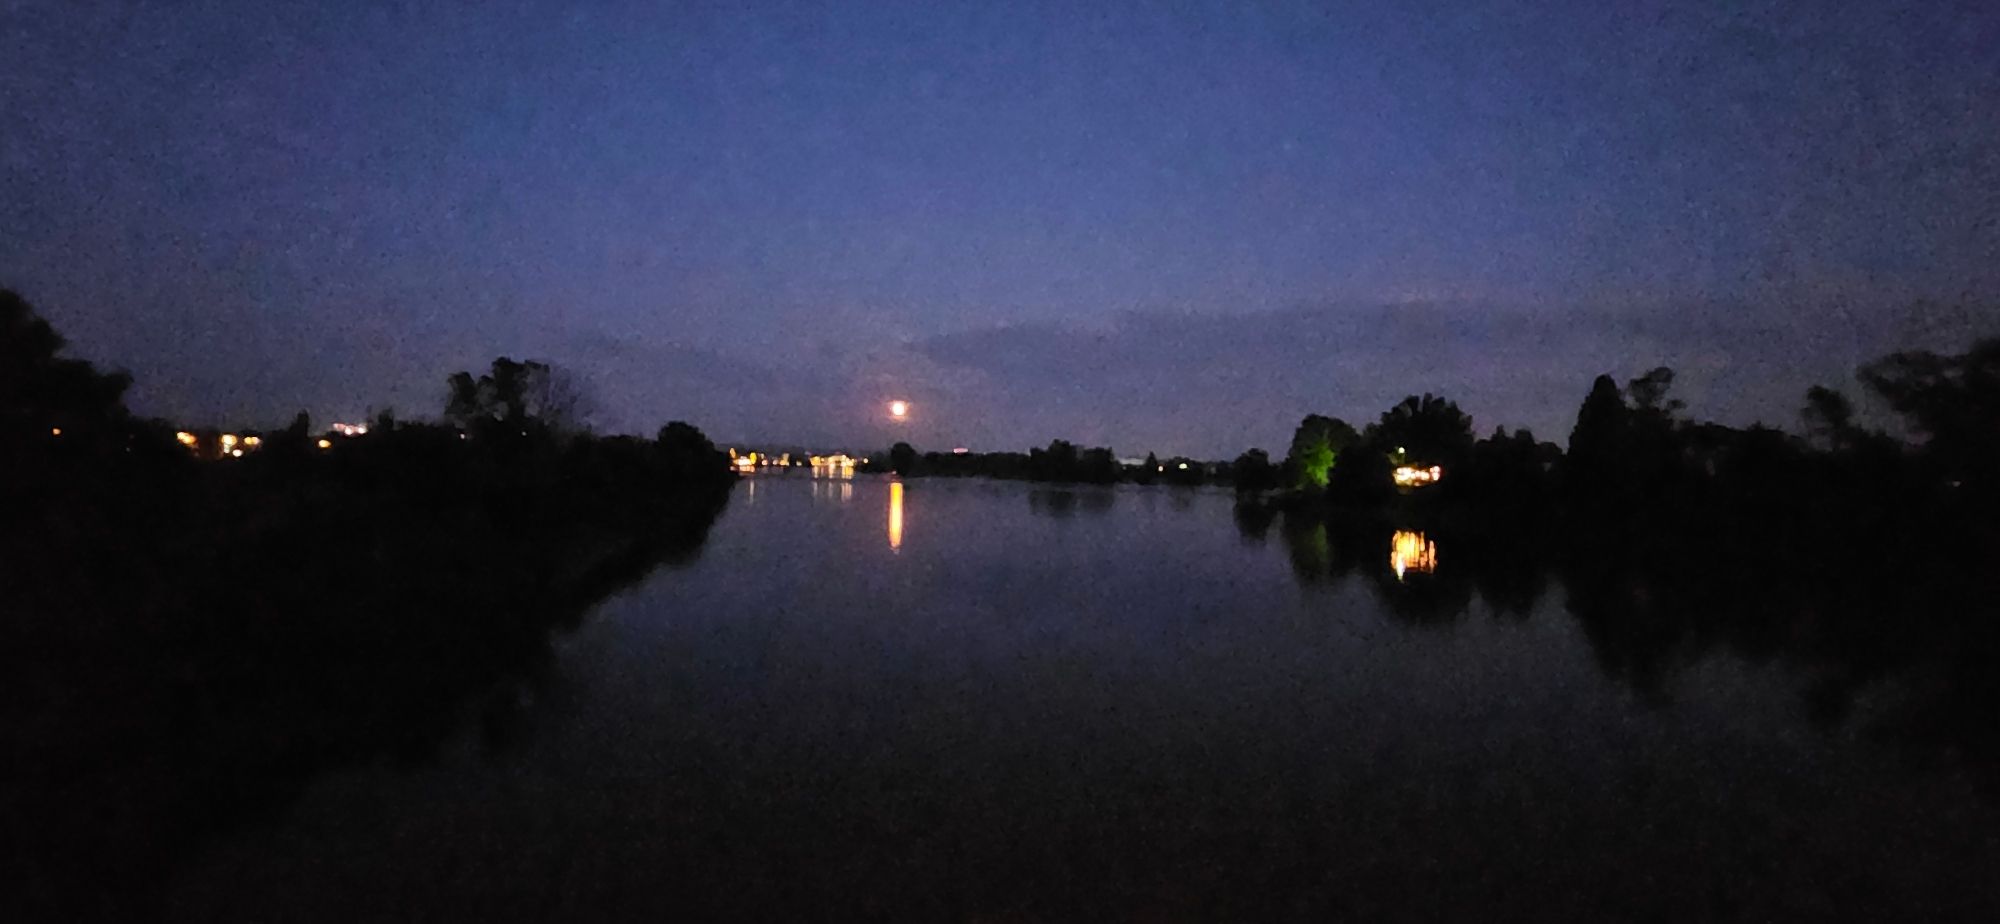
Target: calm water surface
<point>967,700</point>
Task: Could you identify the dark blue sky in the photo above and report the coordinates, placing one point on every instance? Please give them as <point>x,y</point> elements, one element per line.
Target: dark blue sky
<point>1172,226</point>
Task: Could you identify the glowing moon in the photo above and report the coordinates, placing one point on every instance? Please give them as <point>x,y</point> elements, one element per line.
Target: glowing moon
<point>899,409</point>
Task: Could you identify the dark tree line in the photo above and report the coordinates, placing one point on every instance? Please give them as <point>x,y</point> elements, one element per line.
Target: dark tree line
<point>1634,454</point>
<point>1061,462</point>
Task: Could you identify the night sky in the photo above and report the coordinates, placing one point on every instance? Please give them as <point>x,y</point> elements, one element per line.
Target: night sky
<point>1172,226</point>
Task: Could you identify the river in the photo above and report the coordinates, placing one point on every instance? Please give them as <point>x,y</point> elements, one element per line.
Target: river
<point>974,700</point>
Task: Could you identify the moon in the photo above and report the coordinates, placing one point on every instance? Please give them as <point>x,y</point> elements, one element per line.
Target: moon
<point>899,409</point>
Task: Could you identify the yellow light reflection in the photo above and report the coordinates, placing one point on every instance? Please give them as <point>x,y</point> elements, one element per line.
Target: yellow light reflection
<point>1410,551</point>
<point>895,515</point>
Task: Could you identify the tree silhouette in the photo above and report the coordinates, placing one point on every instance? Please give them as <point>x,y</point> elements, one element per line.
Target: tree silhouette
<point>1149,470</point>
<point>1316,446</point>
<point>1056,463</point>
<point>902,458</point>
<point>41,390</point>
<point>1953,401</point>
<point>686,451</point>
<point>1649,392</point>
<point>1828,418</point>
<point>1428,428</point>
<point>1254,471</point>
<point>528,398</point>
<point>1597,443</point>
<point>1097,465</point>
<point>1505,469</point>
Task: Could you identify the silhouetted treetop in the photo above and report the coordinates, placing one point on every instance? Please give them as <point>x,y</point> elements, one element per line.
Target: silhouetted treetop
<point>1954,401</point>
<point>1828,417</point>
<point>1253,471</point>
<point>1429,428</point>
<point>40,388</point>
<point>1316,446</point>
<point>1600,423</point>
<point>523,396</point>
<point>902,458</point>
<point>1649,392</point>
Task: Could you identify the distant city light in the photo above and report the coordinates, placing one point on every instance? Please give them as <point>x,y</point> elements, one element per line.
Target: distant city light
<point>348,429</point>
<point>55,431</point>
<point>326,444</point>
<point>959,450</point>
<point>236,453</point>
<point>187,439</point>
<point>838,465</point>
<point>899,409</point>
<point>1183,465</point>
<point>253,441</point>
<point>228,441</point>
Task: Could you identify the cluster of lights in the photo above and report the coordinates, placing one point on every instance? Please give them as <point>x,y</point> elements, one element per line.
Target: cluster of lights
<point>229,444</point>
<point>348,429</point>
<point>838,465</point>
<point>1410,476</point>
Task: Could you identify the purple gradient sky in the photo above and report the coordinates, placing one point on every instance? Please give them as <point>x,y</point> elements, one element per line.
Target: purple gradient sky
<point>1171,226</point>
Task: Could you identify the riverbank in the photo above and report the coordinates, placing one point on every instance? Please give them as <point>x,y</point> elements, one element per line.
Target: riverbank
<point>189,642</point>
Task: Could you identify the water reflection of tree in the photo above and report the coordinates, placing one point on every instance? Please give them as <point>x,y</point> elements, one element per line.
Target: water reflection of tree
<point>1063,503</point>
<point>1913,628</point>
<point>1253,522</point>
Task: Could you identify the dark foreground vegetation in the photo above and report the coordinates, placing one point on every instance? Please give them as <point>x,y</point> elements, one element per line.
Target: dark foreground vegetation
<point>188,641</point>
